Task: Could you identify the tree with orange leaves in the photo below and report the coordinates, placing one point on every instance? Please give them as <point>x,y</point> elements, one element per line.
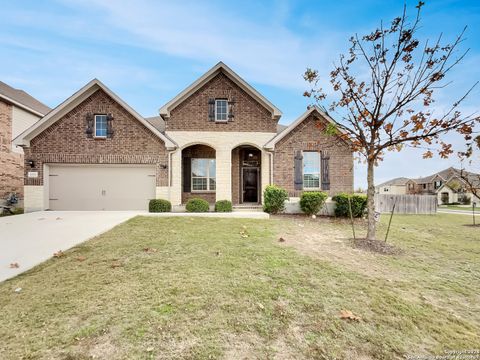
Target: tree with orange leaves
<point>385,86</point>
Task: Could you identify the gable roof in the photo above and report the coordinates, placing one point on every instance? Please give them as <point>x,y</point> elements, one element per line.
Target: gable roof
<point>285,132</point>
<point>23,100</point>
<point>74,100</point>
<point>397,181</point>
<point>210,74</point>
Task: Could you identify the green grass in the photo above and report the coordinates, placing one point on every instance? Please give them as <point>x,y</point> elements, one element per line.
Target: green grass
<point>208,293</point>
<point>16,211</point>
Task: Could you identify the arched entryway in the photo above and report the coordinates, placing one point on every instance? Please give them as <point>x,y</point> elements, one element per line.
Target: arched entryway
<point>246,175</point>
<point>199,178</point>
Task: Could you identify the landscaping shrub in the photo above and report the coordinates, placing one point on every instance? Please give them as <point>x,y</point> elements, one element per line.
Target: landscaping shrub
<point>223,206</point>
<point>312,202</point>
<point>274,199</point>
<point>197,205</point>
<point>359,205</point>
<point>159,205</point>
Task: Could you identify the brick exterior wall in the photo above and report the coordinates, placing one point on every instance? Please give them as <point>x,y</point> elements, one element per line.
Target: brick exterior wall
<point>198,151</point>
<point>192,113</point>
<point>66,141</point>
<point>11,163</point>
<point>309,136</point>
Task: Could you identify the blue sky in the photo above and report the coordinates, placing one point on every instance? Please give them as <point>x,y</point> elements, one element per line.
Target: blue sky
<point>148,51</point>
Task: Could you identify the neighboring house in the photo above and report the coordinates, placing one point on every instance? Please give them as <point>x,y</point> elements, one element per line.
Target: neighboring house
<point>218,139</point>
<point>447,185</point>
<point>395,186</point>
<point>18,111</point>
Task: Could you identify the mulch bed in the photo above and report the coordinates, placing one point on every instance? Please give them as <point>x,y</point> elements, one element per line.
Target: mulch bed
<point>376,246</point>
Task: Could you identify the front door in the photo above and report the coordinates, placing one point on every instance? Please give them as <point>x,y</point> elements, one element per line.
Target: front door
<point>250,185</point>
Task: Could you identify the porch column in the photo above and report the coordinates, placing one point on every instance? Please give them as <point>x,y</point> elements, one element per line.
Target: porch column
<point>176,189</point>
<point>224,174</point>
<point>265,171</point>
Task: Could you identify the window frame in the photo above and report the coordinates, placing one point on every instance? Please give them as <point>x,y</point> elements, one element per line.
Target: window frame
<point>319,171</point>
<point>226,110</point>
<point>208,177</point>
<point>95,127</point>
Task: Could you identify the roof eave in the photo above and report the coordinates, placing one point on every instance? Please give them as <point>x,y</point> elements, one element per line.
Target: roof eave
<point>92,86</point>
<point>165,110</point>
<point>20,105</point>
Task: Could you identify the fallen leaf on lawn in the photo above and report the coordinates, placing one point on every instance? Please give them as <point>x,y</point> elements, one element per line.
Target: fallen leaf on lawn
<point>149,250</point>
<point>281,239</point>
<point>80,258</point>
<point>260,305</point>
<point>14,266</point>
<point>17,290</point>
<point>150,349</point>
<point>59,254</point>
<point>217,253</point>
<point>348,315</point>
<point>116,264</point>
<point>243,233</point>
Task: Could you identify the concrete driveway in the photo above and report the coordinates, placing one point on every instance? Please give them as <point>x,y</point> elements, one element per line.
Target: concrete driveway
<point>32,238</point>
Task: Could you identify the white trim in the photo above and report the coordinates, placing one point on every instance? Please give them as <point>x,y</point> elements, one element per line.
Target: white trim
<point>210,74</point>
<point>20,105</point>
<point>24,138</point>
<point>226,112</point>
<point>271,144</point>
<point>95,126</point>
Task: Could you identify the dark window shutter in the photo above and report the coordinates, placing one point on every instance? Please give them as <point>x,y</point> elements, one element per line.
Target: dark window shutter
<point>231,108</point>
<point>109,126</point>
<point>89,130</point>
<point>211,109</point>
<point>298,170</point>
<point>187,174</point>
<point>325,171</point>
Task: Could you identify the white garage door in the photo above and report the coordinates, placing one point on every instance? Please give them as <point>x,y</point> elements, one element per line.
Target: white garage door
<point>100,187</point>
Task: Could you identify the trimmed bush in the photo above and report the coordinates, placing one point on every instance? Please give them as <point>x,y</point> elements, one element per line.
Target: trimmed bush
<point>197,205</point>
<point>274,199</point>
<point>159,205</point>
<point>223,206</point>
<point>312,202</point>
<point>359,205</point>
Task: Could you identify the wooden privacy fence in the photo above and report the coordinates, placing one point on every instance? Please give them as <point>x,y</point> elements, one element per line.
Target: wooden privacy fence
<point>406,204</point>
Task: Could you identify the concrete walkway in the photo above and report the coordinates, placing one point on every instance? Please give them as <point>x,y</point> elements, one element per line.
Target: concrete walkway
<point>32,238</point>
<point>458,212</point>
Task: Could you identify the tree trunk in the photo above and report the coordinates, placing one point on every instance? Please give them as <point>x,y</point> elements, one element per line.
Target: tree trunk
<point>372,225</point>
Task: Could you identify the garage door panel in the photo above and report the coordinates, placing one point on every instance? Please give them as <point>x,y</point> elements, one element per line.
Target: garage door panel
<point>101,187</point>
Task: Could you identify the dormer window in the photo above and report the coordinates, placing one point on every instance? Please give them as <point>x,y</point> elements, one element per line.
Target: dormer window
<point>221,110</point>
<point>100,130</point>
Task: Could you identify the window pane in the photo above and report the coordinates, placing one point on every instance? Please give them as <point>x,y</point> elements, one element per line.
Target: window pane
<point>199,167</point>
<point>311,162</point>
<point>199,183</point>
<point>213,184</point>
<point>100,125</point>
<point>212,171</point>
<point>221,110</point>
<point>311,169</point>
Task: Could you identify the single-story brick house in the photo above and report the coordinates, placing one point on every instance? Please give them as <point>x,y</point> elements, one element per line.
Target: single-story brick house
<point>218,139</point>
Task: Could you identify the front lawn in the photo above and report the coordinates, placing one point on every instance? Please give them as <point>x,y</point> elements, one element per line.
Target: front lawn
<point>205,288</point>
